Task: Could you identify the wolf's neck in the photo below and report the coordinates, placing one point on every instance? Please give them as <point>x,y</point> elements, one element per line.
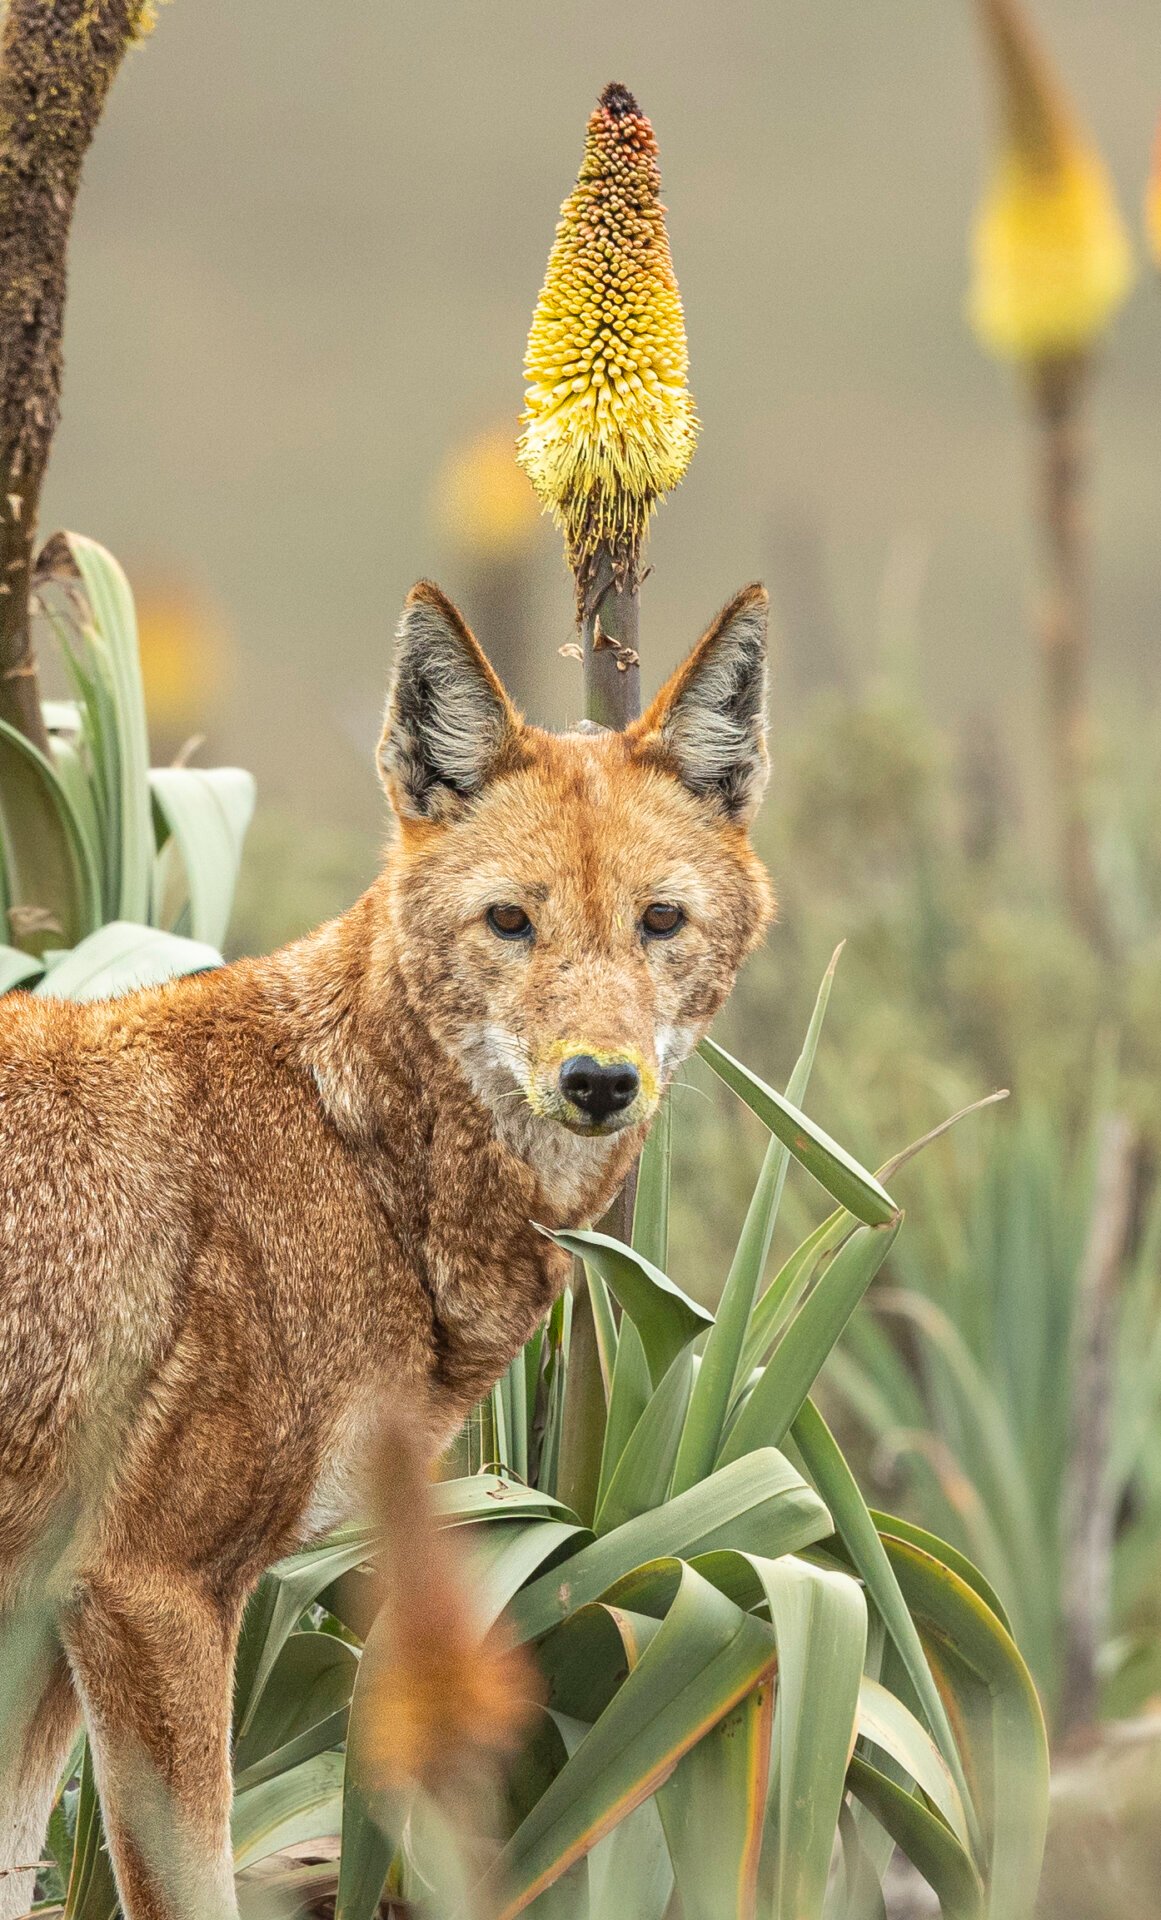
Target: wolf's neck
<point>366,1045</point>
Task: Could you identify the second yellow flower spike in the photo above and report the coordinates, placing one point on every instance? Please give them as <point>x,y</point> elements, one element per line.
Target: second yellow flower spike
<point>1052,262</point>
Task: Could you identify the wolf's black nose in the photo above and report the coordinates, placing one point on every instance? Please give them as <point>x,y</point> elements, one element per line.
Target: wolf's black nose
<point>599,1091</point>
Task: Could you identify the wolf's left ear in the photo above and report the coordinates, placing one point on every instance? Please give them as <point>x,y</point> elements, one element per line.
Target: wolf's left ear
<point>449,727</point>
<point>708,723</point>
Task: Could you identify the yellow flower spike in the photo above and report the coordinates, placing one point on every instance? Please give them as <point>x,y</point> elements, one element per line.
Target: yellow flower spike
<point>609,423</point>
<point>1051,255</point>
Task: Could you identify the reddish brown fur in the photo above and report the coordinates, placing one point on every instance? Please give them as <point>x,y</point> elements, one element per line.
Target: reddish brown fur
<point>238,1210</point>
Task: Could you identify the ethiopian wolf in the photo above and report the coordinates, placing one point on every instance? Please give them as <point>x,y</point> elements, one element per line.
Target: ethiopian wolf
<point>241,1212</point>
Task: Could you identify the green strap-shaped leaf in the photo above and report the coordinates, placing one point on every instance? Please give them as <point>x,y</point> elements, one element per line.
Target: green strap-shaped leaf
<point>890,1523</point>
<point>207,810</point>
<point>643,1472</point>
<point>480,1496</point>
<point>629,1395</point>
<point>665,1317</point>
<point>779,1394</point>
<point>705,1657</point>
<point>274,1609</point>
<point>758,1505</point>
<point>928,1842</point>
<point>853,1523</point>
<point>554,1737</point>
<point>781,1297</point>
<point>844,1179</point>
<point>48,862</point>
<point>721,1355</point>
<point>17,969</point>
<point>527,1546</point>
<point>303,1804</point>
<point>777,1302</point>
<point>586,1658</point>
<point>887,1723</point>
<point>963,1629</point>
<point>651,1205</point>
<point>713,1810</point>
<point>115,629</point>
<point>604,1326</point>
<point>862,1890</point>
<point>630,1873</point>
<point>820,1628</point>
<point>303,1709</point>
<point>121,957</point>
<point>92,1894</point>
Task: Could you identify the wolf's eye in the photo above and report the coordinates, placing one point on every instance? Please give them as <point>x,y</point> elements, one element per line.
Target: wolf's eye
<point>661,919</point>
<point>511,923</point>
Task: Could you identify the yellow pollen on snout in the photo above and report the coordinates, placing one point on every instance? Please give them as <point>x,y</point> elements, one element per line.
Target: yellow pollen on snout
<point>542,1092</point>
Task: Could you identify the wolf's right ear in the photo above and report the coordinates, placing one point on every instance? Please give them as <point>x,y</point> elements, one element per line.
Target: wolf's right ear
<point>449,725</point>
<point>708,723</point>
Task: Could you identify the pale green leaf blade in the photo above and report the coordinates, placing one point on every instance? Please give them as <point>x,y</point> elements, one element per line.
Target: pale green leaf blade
<point>48,862</point>
<point>928,1843</point>
<point>887,1723</point>
<point>651,1205</point>
<point>856,1529</point>
<point>957,1621</point>
<point>713,1809</point>
<point>121,957</point>
<point>17,969</point>
<point>789,1375</point>
<point>308,1693</point>
<point>115,625</point>
<point>759,1504</point>
<point>207,810</point>
<point>641,1479</point>
<point>665,1317</point>
<point>706,1656</point>
<point>629,1394</point>
<point>721,1355</point>
<point>304,1804</point>
<point>820,1628</point>
<point>843,1178</point>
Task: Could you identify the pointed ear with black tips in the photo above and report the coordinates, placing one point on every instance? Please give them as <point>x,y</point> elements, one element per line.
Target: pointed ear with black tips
<point>449,726</point>
<point>708,723</point>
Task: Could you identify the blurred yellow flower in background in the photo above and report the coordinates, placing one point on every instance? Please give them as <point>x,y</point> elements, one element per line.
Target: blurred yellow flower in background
<point>483,503</point>
<point>1052,261</point>
<point>609,423</point>
<point>185,656</point>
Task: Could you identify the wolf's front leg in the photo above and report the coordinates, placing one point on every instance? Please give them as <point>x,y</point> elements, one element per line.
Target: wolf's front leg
<point>31,1762</point>
<point>152,1653</point>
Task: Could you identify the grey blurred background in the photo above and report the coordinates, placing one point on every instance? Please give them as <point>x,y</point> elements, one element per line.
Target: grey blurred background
<point>306,254</point>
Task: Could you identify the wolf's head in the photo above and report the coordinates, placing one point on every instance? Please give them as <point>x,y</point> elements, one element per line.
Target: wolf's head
<point>572,908</point>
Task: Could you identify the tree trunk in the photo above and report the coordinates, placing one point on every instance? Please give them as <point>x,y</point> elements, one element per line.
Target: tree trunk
<point>57,62</point>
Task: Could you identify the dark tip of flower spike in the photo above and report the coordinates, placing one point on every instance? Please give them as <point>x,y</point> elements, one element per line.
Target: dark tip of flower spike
<point>618,101</point>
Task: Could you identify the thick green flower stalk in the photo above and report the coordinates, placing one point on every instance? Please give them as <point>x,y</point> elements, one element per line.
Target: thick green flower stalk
<point>609,428</point>
<point>1051,267</point>
<point>609,423</point>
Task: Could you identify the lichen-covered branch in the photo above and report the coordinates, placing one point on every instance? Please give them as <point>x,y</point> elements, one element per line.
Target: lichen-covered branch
<point>58,59</point>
